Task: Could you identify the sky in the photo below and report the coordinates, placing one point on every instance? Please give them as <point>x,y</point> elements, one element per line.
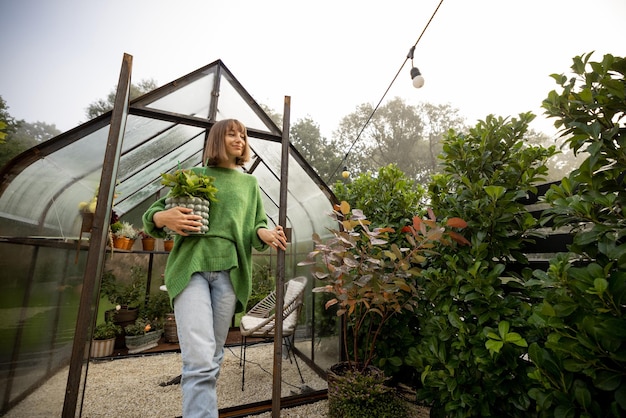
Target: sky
<point>481,56</point>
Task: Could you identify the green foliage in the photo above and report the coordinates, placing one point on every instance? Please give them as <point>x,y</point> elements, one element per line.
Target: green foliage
<point>263,283</point>
<point>106,330</point>
<point>189,183</point>
<point>126,229</point>
<point>388,198</point>
<point>581,361</point>
<point>101,106</point>
<point>140,327</point>
<point>124,293</point>
<point>473,322</point>
<point>358,395</point>
<point>16,136</point>
<point>157,307</point>
<point>317,151</point>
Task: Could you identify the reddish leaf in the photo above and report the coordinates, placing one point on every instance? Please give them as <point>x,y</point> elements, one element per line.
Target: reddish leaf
<point>458,238</point>
<point>456,223</point>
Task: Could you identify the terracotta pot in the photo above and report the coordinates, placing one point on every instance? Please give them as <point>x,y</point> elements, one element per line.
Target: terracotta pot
<point>168,244</point>
<point>148,244</point>
<point>129,244</point>
<point>120,242</point>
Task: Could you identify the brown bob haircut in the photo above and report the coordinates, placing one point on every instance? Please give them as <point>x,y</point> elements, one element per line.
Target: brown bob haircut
<point>215,150</point>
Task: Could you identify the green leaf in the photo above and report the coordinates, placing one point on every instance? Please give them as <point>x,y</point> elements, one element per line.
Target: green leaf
<point>607,380</point>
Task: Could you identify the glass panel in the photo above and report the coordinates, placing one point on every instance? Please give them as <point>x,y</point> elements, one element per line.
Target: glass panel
<point>39,297</point>
<point>193,99</point>
<point>232,105</point>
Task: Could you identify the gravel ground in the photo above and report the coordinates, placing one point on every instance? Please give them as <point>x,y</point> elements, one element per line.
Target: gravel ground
<point>130,388</point>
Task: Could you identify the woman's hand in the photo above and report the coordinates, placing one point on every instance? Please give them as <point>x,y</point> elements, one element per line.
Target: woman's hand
<point>179,220</point>
<point>275,238</point>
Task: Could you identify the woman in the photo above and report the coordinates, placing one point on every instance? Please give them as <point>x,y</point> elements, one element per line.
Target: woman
<point>209,277</point>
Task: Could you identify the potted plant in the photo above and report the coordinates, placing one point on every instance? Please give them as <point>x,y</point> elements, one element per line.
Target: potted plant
<point>125,236</point>
<point>141,335</point>
<point>192,189</point>
<point>160,313</point>
<point>168,241</point>
<point>103,339</point>
<point>126,296</point>
<point>147,241</point>
<point>370,280</point>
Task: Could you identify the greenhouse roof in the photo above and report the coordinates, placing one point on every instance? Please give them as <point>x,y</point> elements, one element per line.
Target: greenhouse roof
<point>165,129</point>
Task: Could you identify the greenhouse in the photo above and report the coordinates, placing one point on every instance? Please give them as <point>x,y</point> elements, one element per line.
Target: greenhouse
<point>52,262</point>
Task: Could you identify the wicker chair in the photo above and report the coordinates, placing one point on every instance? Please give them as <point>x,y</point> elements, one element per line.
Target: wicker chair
<point>260,322</point>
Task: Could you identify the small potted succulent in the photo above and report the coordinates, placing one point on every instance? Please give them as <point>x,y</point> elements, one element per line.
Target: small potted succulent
<point>191,188</point>
<point>125,236</point>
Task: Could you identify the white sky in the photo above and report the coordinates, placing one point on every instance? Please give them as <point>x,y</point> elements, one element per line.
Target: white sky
<point>480,56</point>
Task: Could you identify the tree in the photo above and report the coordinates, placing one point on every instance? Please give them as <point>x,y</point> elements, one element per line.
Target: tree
<point>397,133</point>
<point>8,124</point>
<point>24,136</point>
<point>317,151</point>
<point>101,106</point>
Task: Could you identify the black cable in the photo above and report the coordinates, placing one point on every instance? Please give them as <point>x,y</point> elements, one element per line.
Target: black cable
<point>262,369</point>
<point>409,56</point>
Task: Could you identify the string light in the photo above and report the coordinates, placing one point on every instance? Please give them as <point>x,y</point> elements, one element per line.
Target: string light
<point>420,79</point>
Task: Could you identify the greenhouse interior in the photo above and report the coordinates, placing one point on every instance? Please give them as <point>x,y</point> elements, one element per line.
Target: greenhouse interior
<point>52,264</point>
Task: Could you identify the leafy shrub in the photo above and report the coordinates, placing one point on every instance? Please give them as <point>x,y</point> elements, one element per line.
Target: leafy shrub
<point>106,330</point>
<point>388,198</point>
<point>473,322</point>
<point>357,395</point>
<point>581,361</point>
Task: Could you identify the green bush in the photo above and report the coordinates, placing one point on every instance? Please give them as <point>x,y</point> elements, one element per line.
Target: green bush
<point>358,395</point>
<point>473,323</point>
<point>581,360</point>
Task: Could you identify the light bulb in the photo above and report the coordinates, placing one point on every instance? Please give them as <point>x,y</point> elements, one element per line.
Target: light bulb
<point>418,79</point>
<point>345,173</point>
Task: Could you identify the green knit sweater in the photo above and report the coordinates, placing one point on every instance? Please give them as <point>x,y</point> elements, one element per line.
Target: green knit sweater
<point>233,223</point>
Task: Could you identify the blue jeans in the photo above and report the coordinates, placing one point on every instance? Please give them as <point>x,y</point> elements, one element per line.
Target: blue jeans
<point>204,310</point>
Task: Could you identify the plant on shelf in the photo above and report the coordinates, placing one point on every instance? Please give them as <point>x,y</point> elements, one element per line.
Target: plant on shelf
<point>147,241</point>
<point>157,307</point>
<point>168,241</point>
<point>141,335</point>
<point>370,280</point>
<point>125,236</point>
<point>140,327</point>
<point>193,189</point>
<point>104,335</point>
<point>124,294</point>
<point>106,330</point>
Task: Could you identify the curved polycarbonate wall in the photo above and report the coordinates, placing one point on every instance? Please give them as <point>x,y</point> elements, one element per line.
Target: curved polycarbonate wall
<point>43,252</point>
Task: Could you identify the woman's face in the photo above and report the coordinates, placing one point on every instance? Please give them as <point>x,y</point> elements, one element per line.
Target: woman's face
<point>235,143</point>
